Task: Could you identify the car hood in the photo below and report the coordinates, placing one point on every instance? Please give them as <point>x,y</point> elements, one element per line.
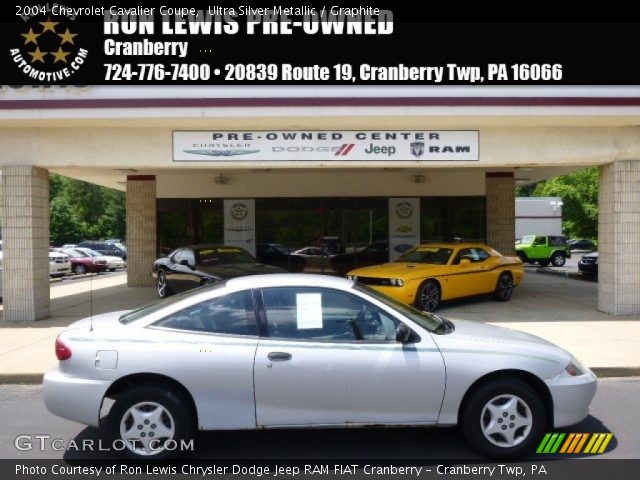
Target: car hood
<point>233,270</point>
<point>403,270</point>
<point>477,336</point>
<point>591,255</point>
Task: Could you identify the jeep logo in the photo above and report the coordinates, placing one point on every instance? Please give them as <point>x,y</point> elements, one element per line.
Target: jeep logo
<point>384,150</point>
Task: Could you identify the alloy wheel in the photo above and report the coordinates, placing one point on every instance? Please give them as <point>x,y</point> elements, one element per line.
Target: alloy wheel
<point>505,287</point>
<point>429,297</point>
<point>146,427</point>
<point>506,420</point>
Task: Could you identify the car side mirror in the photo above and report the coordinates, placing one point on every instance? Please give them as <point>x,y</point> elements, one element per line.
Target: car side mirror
<point>402,333</point>
<point>186,263</point>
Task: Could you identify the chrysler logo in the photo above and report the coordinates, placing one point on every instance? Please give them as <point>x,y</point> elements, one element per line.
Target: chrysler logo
<point>404,209</point>
<point>239,211</point>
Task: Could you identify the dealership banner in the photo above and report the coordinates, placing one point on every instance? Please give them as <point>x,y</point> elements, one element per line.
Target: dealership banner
<point>404,225</point>
<point>326,146</point>
<point>240,224</point>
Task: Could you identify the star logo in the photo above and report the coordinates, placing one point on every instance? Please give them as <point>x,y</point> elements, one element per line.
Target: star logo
<point>60,55</point>
<point>31,37</point>
<point>37,55</point>
<point>48,50</point>
<point>67,37</point>
<point>48,25</point>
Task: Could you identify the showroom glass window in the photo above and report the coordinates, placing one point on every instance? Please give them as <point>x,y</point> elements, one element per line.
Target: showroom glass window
<point>325,315</point>
<point>231,314</point>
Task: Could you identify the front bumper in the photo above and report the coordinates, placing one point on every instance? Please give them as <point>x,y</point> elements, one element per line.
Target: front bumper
<point>77,399</point>
<point>571,397</point>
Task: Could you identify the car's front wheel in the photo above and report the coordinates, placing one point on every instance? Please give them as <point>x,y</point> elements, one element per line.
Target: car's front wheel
<point>80,269</point>
<point>163,288</point>
<point>428,297</point>
<point>504,418</point>
<point>151,422</point>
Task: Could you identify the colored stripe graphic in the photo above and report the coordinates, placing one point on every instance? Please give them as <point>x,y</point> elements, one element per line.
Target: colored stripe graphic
<point>573,443</point>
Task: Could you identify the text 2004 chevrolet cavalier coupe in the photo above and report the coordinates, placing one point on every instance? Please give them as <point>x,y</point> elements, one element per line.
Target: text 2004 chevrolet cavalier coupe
<point>295,351</point>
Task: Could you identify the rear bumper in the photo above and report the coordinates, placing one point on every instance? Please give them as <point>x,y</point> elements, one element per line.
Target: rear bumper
<point>571,397</point>
<point>76,399</point>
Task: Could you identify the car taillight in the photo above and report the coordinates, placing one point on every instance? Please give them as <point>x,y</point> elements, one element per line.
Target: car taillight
<point>63,352</point>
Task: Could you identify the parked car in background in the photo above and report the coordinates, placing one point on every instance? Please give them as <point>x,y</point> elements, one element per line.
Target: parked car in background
<point>82,262</point>
<point>430,273</point>
<point>582,244</point>
<point>113,263</point>
<point>104,248</point>
<point>374,254</point>
<point>308,351</point>
<point>59,264</point>
<point>588,263</point>
<point>273,254</point>
<point>544,249</point>
<point>315,257</point>
<point>195,265</point>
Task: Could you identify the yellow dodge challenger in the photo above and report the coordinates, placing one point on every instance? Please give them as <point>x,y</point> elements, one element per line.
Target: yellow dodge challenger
<point>430,273</point>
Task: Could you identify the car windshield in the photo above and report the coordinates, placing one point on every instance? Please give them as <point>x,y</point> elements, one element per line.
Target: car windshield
<point>426,320</point>
<point>222,256</point>
<point>528,238</point>
<point>431,255</point>
<point>149,308</point>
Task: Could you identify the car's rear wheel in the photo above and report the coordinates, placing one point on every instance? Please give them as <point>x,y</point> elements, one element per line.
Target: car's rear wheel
<point>163,288</point>
<point>558,260</point>
<point>428,297</point>
<point>504,287</point>
<point>504,418</point>
<point>151,422</point>
<point>79,269</point>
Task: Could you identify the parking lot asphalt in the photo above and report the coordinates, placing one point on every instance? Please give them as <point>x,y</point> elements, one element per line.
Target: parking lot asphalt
<point>559,309</point>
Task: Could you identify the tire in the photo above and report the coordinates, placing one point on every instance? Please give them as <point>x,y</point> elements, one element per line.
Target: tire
<point>543,263</point>
<point>164,290</point>
<point>507,405</point>
<point>428,296</point>
<point>112,269</point>
<point>79,269</point>
<point>169,417</point>
<point>558,260</point>
<point>504,287</point>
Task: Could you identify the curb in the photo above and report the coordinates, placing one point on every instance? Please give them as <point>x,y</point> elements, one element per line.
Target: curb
<point>36,378</point>
<point>71,277</point>
<point>561,273</point>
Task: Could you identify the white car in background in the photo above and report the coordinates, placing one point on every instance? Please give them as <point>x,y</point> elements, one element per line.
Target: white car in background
<point>59,264</point>
<point>113,263</point>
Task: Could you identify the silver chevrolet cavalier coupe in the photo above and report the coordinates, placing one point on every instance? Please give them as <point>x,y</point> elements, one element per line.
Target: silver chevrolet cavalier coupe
<point>308,351</point>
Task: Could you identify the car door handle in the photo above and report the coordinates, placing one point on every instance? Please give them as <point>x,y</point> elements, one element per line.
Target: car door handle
<point>279,356</point>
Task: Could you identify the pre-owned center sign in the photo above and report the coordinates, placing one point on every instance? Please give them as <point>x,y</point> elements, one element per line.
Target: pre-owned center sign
<point>339,146</point>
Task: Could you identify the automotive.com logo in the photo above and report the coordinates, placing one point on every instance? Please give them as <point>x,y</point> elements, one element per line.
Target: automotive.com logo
<point>47,48</point>
<point>574,443</point>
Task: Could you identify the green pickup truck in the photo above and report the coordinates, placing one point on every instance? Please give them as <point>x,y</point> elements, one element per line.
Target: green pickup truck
<point>543,249</point>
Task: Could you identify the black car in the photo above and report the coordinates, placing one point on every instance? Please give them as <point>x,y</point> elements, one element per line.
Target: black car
<point>194,265</point>
<point>105,248</point>
<point>589,263</point>
<point>582,245</point>
<point>374,254</point>
<point>274,254</point>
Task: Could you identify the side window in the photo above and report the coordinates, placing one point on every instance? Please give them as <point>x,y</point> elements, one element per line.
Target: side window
<point>478,255</point>
<point>230,314</point>
<point>462,253</point>
<point>324,314</point>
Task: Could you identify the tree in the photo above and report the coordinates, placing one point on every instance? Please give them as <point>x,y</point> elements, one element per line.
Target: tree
<point>82,211</point>
<point>579,193</point>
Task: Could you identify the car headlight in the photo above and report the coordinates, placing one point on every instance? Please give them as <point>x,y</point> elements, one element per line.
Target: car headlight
<point>396,282</point>
<point>575,368</point>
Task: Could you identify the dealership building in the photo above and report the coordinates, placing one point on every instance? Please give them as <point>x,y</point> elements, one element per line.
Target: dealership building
<point>296,164</point>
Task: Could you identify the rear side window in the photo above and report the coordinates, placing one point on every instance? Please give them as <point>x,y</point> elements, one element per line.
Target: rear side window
<point>231,314</point>
<point>557,241</point>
